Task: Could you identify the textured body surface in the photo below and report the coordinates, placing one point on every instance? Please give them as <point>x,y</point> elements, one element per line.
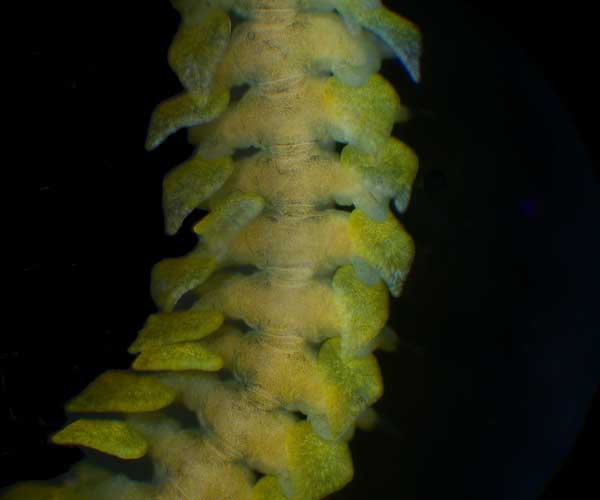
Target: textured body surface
<point>265,331</point>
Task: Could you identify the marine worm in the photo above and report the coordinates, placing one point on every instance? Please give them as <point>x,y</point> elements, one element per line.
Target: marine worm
<point>266,330</point>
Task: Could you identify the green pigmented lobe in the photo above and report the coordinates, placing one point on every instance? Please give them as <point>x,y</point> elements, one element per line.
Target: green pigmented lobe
<point>184,110</point>
<point>385,246</point>
<point>227,218</point>
<point>188,186</point>
<point>173,278</point>
<point>122,392</point>
<point>278,308</point>
<point>318,466</point>
<point>108,436</point>
<point>399,33</point>
<point>197,47</point>
<point>170,328</point>
<point>387,174</point>
<point>364,115</point>
<point>362,309</point>
<point>178,357</point>
<point>356,385</point>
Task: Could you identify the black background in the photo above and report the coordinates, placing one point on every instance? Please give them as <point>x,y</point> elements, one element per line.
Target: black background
<point>487,396</point>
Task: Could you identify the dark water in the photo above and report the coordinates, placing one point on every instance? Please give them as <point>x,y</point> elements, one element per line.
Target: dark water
<point>499,320</point>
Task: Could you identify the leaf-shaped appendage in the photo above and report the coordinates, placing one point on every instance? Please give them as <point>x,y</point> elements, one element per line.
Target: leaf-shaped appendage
<point>266,330</point>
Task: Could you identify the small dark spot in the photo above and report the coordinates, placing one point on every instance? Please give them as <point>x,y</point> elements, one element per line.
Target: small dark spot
<point>184,416</point>
<point>298,415</point>
<point>242,153</point>
<point>243,269</point>
<point>239,324</point>
<point>237,92</point>
<point>344,208</point>
<point>186,301</point>
<point>339,146</point>
<point>236,19</point>
<point>226,375</point>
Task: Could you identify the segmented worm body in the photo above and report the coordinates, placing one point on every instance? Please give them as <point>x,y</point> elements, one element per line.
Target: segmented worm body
<point>266,329</point>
